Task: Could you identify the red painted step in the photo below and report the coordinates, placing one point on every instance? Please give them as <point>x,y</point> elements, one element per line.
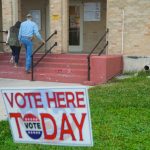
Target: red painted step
<point>50,59</point>
<point>7,69</point>
<point>71,68</point>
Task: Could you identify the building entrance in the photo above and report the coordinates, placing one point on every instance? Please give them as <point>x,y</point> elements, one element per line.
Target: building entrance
<point>87,23</point>
<point>40,13</point>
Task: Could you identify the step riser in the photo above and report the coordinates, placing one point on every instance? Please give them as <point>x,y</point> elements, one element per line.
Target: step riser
<point>62,56</point>
<point>68,66</point>
<point>22,60</point>
<point>45,71</point>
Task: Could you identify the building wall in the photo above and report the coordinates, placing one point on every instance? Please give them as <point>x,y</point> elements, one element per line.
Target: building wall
<point>133,39</point>
<point>7,19</point>
<point>129,33</point>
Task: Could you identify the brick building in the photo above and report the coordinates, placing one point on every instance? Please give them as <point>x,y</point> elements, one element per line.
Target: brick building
<point>80,23</point>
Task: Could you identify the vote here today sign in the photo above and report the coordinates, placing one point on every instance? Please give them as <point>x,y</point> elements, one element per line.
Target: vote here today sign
<point>54,116</point>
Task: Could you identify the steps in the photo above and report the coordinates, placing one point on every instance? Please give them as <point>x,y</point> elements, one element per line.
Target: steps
<point>68,68</point>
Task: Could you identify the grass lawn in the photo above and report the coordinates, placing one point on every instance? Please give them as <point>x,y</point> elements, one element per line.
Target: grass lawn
<point>120,113</point>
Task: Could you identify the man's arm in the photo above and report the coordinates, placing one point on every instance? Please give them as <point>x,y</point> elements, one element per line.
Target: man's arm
<point>19,35</point>
<point>38,35</point>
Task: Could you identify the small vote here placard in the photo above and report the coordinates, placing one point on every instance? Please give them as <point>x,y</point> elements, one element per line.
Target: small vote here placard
<point>54,116</point>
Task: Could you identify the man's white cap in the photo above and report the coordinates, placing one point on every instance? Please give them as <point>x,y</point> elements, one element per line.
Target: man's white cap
<point>29,15</point>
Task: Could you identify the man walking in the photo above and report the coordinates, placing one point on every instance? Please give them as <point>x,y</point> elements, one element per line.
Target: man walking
<point>27,31</point>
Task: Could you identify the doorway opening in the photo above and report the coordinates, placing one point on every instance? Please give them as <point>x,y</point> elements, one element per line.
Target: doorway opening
<point>87,23</point>
<point>40,12</point>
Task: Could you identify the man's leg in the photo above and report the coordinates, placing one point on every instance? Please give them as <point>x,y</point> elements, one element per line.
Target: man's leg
<point>13,54</point>
<point>17,53</point>
<point>13,50</point>
<point>29,45</point>
<point>24,42</point>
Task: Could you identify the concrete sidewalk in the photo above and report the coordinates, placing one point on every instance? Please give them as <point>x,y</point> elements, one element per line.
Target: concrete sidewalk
<point>6,83</point>
<point>12,83</point>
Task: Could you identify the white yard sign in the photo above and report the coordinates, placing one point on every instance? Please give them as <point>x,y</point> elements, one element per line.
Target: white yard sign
<point>55,116</point>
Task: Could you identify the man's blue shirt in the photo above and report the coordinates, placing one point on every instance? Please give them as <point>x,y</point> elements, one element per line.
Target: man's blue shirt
<point>29,28</point>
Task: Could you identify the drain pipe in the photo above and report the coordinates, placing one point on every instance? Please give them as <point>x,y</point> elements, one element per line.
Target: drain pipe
<point>146,67</point>
<point>122,36</point>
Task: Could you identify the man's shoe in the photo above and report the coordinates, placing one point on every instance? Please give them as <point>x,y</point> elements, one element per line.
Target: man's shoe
<point>28,71</point>
<point>16,65</point>
<point>12,59</point>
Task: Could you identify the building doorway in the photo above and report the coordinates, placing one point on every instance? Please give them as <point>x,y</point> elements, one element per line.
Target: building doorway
<point>87,23</point>
<point>40,13</point>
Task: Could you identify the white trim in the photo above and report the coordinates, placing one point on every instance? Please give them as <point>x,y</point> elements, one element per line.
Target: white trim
<point>47,23</point>
<point>80,47</point>
<point>122,36</point>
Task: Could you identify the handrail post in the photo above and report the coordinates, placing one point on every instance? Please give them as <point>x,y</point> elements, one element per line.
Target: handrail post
<point>55,43</point>
<point>89,55</point>
<point>32,69</point>
<point>55,32</point>
<point>89,68</point>
<point>103,49</point>
<point>32,61</point>
<point>4,31</point>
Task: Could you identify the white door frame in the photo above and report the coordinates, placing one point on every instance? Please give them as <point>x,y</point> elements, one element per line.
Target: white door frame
<point>80,47</point>
<point>47,24</point>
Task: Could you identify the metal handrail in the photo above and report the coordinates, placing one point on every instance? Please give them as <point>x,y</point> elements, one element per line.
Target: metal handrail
<point>4,31</point>
<point>89,55</point>
<point>55,32</point>
<point>1,42</point>
<point>103,48</point>
<point>38,61</point>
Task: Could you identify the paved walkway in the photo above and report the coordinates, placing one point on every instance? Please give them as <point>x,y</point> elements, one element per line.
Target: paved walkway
<point>5,83</point>
<point>10,83</point>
